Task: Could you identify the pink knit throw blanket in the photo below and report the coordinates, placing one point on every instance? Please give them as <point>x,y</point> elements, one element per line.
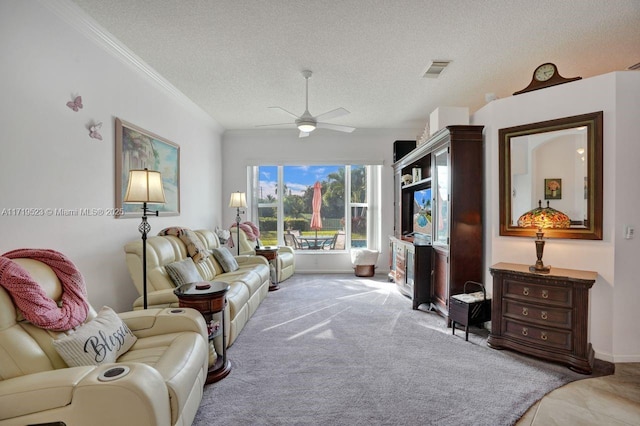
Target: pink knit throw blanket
<point>250,229</point>
<point>31,299</point>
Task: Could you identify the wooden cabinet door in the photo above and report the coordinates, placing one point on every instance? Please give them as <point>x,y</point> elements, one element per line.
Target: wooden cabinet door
<point>401,266</point>
<point>441,197</point>
<point>440,279</point>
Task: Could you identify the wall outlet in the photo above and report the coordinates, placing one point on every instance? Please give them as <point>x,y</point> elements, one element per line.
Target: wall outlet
<point>628,232</point>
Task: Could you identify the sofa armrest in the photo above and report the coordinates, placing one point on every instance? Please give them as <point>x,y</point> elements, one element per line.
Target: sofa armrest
<point>39,391</point>
<point>286,249</point>
<point>251,260</point>
<point>153,322</point>
<point>76,395</point>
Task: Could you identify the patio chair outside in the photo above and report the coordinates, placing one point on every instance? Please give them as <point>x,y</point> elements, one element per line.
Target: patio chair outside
<point>338,242</point>
<point>291,241</point>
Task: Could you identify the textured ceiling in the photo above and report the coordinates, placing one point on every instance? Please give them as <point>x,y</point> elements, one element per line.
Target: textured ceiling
<point>235,58</point>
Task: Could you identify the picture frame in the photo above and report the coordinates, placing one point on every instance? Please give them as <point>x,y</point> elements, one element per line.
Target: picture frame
<point>137,148</point>
<point>417,174</point>
<point>553,189</point>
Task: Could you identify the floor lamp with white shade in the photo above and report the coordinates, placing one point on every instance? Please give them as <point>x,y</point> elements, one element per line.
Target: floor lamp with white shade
<point>238,200</point>
<point>145,186</point>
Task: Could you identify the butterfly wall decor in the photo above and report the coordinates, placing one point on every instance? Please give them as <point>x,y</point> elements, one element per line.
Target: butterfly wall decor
<point>93,131</point>
<point>76,104</point>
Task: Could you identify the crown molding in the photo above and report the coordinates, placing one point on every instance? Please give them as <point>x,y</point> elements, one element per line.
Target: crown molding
<point>75,17</point>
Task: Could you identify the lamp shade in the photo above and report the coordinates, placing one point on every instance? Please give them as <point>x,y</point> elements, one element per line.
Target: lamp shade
<point>145,186</point>
<point>238,199</point>
<point>544,217</point>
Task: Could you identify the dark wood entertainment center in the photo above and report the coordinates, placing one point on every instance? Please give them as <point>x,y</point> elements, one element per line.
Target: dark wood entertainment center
<point>450,162</point>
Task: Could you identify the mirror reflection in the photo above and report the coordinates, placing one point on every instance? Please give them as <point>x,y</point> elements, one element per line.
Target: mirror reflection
<point>556,163</point>
<point>550,166</point>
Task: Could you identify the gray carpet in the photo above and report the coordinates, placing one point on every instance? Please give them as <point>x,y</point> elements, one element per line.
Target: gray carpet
<point>341,350</point>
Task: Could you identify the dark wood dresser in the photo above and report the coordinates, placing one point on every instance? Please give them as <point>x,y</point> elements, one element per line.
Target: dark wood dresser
<point>544,315</point>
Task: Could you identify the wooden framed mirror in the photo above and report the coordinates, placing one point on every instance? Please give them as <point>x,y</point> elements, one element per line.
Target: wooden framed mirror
<point>558,162</point>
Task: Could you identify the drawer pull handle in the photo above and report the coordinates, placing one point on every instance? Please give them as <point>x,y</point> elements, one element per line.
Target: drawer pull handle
<point>525,291</point>
<point>543,335</point>
<point>525,311</point>
<point>543,315</point>
<point>525,331</point>
<point>545,294</point>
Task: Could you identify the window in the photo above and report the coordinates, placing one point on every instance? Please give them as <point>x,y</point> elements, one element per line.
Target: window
<point>317,207</point>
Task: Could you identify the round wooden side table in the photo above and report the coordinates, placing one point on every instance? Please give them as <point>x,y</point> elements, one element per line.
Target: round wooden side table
<point>209,298</point>
<point>271,254</point>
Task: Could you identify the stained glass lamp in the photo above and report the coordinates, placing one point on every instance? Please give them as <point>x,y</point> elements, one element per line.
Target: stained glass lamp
<point>543,218</point>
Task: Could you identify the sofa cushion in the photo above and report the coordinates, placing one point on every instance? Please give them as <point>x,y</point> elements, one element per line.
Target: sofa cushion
<point>183,272</point>
<point>225,258</point>
<point>103,339</point>
<point>248,277</point>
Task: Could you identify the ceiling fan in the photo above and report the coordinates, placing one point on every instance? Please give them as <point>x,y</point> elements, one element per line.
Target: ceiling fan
<point>307,123</point>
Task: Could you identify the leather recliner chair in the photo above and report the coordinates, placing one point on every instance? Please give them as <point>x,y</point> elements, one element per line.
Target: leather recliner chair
<point>286,255</point>
<point>167,367</point>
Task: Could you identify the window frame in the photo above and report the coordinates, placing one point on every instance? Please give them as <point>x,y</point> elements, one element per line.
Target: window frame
<point>372,204</point>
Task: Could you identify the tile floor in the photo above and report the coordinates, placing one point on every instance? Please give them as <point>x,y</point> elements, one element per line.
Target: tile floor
<point>610,400</point>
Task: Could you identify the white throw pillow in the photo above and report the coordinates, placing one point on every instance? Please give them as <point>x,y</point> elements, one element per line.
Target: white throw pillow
<point>101,340</point>
<point>183,272</point>
<point>225,259</point>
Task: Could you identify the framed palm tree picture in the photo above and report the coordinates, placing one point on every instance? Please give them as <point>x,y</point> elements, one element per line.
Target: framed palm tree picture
<point>137,148</point>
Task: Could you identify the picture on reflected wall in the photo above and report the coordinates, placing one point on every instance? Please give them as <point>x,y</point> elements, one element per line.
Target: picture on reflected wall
<point>553,189</point>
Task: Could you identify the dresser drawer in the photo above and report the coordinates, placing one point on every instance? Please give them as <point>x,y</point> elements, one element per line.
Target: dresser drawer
<point>541,315</point>
<point>538,335</point>
<point>540,293</point>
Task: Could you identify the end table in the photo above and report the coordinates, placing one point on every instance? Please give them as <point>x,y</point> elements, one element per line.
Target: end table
<point>271,254</point>
<point>209,298</point>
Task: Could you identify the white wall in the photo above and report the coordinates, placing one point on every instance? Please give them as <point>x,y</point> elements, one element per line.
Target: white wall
<point>613,312</point>
<point>49,161</point>
<point>242,148</point>
<point>626,315</point>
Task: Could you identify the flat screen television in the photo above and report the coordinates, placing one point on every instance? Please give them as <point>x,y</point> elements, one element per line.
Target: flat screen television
<point>421,211</point>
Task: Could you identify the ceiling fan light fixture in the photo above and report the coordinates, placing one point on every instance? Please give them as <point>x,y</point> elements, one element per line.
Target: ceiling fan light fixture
<point>307,123</point>
<point>306,126</point>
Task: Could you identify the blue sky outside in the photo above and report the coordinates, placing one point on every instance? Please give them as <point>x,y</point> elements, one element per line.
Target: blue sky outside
<point>296,178</point>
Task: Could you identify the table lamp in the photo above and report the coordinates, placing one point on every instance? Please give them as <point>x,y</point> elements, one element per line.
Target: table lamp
<point>145,186</point>
<point>238,200</point>
<point>543,218</point>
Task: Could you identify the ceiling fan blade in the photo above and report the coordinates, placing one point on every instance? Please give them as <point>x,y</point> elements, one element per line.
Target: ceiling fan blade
<point>279,124</point>
<point>338,112</point>
<point>337,127</point>
<point>303,134</point>
<point>282,109</point>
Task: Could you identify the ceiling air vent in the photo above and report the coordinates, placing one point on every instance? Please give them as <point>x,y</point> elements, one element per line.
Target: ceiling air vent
<point>435,68</point>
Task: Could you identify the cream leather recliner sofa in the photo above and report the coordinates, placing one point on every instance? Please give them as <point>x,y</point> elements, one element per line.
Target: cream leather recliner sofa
<point>286,255</point>
<point>249,285</point>
<point>164,385</point>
